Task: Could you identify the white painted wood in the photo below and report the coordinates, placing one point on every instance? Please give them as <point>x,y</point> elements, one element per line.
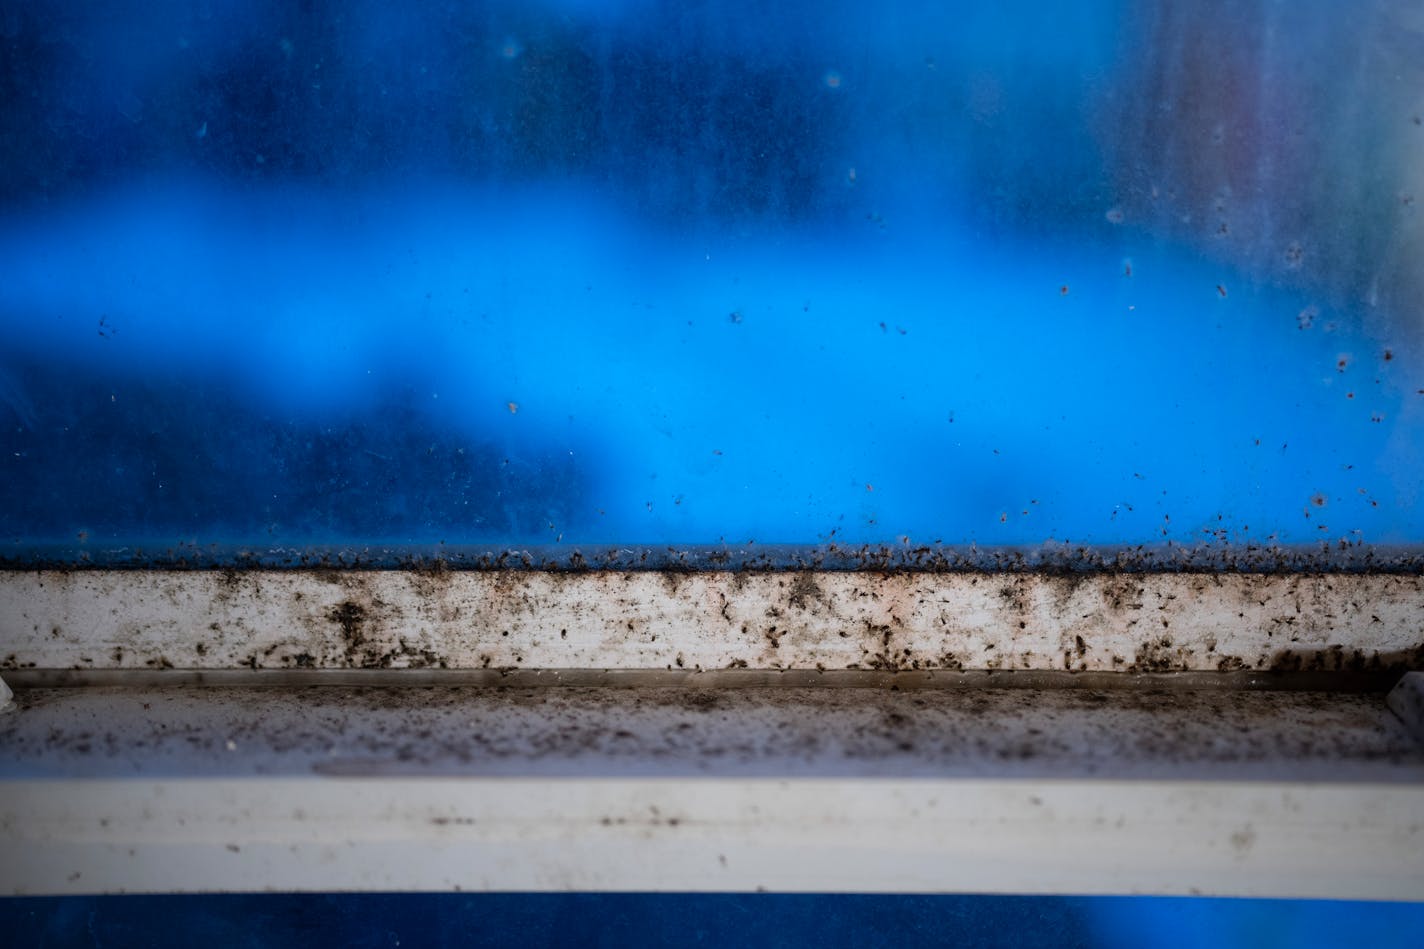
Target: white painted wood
<point>588,821</point>
<point>706,834</point>
<point>266,619</point>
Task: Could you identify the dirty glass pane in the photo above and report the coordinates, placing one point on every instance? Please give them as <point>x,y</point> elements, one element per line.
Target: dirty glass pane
<point>562,272</point>
<point>755,921</point>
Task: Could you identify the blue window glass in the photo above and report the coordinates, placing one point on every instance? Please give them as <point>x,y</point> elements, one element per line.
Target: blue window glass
<point>564,273</point>
<point>761,920</point>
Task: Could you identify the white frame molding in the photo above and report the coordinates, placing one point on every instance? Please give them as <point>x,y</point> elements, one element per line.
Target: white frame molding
<point>708,834</point>
<point>810,620</point>
<point>1358,836</point>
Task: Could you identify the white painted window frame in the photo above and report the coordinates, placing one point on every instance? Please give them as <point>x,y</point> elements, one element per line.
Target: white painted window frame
<point>1209,833</point>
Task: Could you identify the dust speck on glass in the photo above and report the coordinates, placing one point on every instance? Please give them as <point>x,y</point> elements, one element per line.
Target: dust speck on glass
<point>552,273</point>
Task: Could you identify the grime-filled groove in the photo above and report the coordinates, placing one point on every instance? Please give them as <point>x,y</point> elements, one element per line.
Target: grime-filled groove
<point>938,680</point>
<point>780,732</point>
<point>507,621</point>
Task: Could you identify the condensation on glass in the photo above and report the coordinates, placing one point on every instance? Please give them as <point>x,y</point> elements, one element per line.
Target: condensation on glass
<point>566,273</point>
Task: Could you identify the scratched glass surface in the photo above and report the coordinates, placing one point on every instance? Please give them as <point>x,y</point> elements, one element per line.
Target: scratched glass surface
<point>563,272</point>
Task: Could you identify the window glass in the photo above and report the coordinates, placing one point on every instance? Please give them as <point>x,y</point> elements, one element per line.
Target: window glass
<point>754,920</point>
<point>558,273</point>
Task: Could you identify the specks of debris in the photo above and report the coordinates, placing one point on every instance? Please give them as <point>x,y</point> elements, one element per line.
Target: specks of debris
<point>344,730</point>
